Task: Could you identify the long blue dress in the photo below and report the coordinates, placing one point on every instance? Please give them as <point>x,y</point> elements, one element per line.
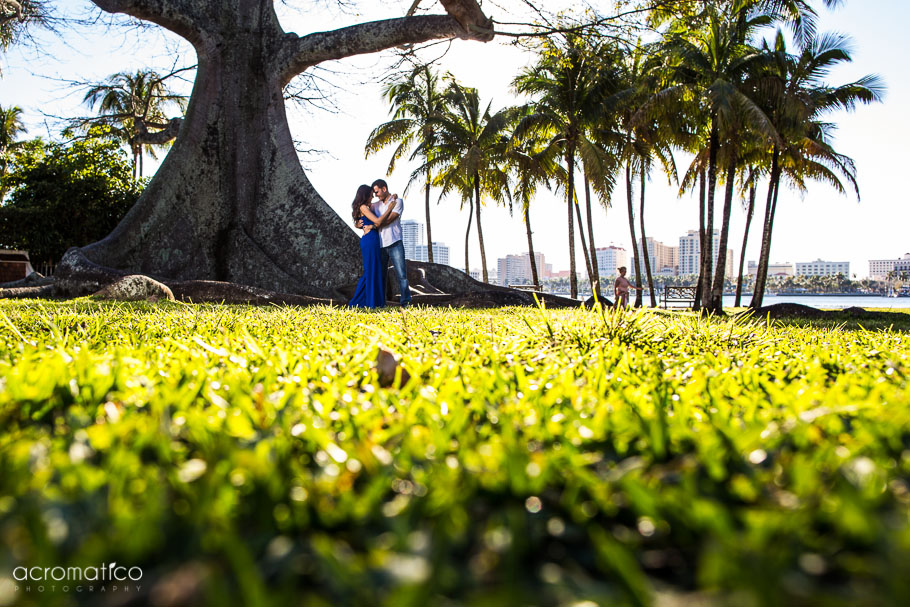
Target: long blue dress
<point>370,291</point>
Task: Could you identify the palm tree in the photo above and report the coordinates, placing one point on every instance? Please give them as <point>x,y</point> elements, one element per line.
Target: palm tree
<point>11,127</point>
<point>711,64</point>
<point>748,183</point>
<point>797,100</point>
<point>463,186</point>
<point>470,151</point>
<point>531,163</point>
<point>417,103</point>
<point>566,91</point>
<point>131,104</point>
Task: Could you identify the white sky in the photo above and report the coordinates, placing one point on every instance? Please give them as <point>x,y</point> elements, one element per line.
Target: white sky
<point>823,224</point>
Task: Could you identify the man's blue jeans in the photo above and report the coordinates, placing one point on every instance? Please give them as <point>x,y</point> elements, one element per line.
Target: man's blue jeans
<point>395,251</point>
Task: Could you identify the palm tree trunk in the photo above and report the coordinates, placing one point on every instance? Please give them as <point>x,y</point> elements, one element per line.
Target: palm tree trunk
<point>750,211</point>
<point>429,232</point>
<point>584,243</point>
<point>534,276</point>
<point>644,240</point>
<point>720,271</point>
<point>696,305</point>
<point>483,252</point>
<point>570,197</point>
<point>467,237</point>
<point>595,277</point>
<point>632,230</point>
<point>761,273</point>
<point>708,245</point>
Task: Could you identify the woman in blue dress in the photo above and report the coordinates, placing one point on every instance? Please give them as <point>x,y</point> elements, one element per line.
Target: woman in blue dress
<point>370,291</point>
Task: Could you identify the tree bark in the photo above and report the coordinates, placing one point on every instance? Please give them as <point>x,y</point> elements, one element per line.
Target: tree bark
<point>644,241</point>
<point>483,252</point>
<point>584,243</point>
<point>230,201</point>
<point>761,272</point>
<point>534,276</point>
<point>467,236</point>
<point>750,211</point>
<point>570,198</point>
<point>632,231</point>
<point>595,278</point>
<point>429,232</point>
<point>708,244</point>
<point>717,290</point>
<point>16,7</point>
<point>696,305</point>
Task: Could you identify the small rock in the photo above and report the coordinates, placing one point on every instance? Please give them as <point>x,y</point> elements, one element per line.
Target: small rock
<point>386,364</point>
<point>136,287</point>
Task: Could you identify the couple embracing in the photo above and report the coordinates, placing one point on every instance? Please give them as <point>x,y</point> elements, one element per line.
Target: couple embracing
<point>381,241</point>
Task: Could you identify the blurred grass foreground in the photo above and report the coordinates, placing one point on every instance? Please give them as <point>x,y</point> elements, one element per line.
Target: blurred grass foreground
<point>251,456</point>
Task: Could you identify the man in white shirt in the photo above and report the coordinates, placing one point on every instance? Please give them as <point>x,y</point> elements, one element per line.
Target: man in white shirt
<point>390,237</point>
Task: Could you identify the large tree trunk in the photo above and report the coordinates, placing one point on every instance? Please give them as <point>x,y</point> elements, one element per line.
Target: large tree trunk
<point>720,271</point>
<point>595,278</point>
<point>644,240</point>
<point>230,201</point>
<point>632,231</point>
<point>534,275</point>
<point>483,252</point>
<point>750,211</point>
<point>761,272</point>
<point>570,198</point>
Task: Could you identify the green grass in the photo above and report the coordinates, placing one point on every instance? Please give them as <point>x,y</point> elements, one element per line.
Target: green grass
<point>248,456</point>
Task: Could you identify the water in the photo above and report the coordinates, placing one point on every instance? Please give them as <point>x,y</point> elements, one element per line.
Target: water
<point>829,301</point>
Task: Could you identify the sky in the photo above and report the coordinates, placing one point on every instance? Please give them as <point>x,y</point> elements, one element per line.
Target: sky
<point>818,224</point>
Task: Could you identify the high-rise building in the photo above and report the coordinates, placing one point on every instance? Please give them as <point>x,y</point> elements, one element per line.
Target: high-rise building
<point>516,269</point>
<point>690,254</point>
<point>822,268</point>
<point>411,237</point>
<point>440,253</point>
<point>414,248</point>
<point>664,259</point>
<point>609,259</point>
<point>879,269</point>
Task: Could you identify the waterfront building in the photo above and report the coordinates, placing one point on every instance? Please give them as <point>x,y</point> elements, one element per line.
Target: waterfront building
<point>690,254</point>
<point>774,269</point>
<point>411,237</point>
<point>661,257</point>
<point>516,269</point>
<point>822,268</point>
<point>880,269</point>
<point>609,259</point>
<point>440,253</point>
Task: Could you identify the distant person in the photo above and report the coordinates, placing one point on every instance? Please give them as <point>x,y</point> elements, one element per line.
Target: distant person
<point>621,288</point>
<point>391,245</point>
<point>370,292</point>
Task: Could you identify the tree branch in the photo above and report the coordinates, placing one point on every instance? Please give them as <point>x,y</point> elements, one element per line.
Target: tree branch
<point>183,17</point>
<point>169,133</point>
<point>298,54</point>
<point>18,11</point>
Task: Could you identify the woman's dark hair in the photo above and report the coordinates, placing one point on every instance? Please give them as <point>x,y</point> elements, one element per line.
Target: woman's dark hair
<point>364,195</point>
